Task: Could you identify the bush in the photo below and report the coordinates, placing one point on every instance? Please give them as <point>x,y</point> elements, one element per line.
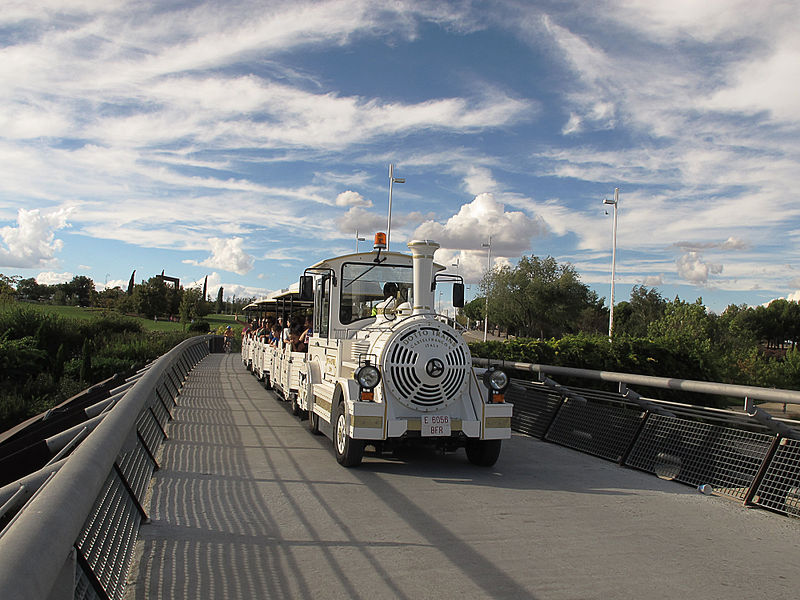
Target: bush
<point>45,359</point>
<point>200,326</point>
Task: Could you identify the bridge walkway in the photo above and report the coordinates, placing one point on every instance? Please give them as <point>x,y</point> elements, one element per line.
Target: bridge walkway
<point>249,504</point>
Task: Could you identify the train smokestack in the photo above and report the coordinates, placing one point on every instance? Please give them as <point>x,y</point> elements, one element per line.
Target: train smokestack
<point>422,255</point>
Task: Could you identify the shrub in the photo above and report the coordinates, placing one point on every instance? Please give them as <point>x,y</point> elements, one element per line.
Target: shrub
<point>200,326</point>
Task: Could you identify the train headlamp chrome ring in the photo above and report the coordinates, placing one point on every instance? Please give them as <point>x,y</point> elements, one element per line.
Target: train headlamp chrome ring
<point>495,379</point>
<point>368,376</point>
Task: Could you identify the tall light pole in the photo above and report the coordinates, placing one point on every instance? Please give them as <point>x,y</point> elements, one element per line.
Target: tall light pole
<point>359,239</point>
<point>392,180</point>
<point>486,308</point>
<point>615,204</point>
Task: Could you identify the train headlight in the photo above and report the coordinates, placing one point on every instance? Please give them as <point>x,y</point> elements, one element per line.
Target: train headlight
<point>368,377</point>
<point>496,380</point>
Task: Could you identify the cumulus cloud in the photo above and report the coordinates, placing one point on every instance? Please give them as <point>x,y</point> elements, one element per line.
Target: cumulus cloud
<point>229,290</point>
<point>362,220</point>
<point>350,198</point>
<point>51,278</point>
<point>32,243</point>
<point>475,221</point>
<point>694,269</point>
<point>111,284</point>
<point>227,254</point>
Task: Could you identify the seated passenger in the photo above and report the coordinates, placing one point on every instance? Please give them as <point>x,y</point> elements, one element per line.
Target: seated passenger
<point>306,331</point>
<point>275,336</point>
<point>294,339</point>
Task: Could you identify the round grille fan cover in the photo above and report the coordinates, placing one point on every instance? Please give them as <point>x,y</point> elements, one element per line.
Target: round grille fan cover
<point>425,365</point>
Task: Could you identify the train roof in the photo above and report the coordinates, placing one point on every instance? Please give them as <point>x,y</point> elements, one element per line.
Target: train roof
<point>289,295</point>
<point>368,257</point>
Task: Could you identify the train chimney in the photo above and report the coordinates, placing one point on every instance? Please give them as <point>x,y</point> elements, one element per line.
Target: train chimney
<point>422,255</point>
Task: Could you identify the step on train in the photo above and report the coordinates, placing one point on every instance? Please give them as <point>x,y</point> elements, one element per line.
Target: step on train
<point>376,365</point>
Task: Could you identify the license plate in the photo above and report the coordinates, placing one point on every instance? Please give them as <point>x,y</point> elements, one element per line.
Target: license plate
<point>435,425</point>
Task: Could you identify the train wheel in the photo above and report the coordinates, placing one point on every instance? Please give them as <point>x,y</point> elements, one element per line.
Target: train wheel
<point>349,452</point>
<point>267,382</point>
<point>295,406</point>
<point>483,453</point>
<point>313,423</point>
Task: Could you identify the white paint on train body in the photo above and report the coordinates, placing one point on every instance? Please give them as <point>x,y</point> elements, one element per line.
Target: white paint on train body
<point>377,309</point>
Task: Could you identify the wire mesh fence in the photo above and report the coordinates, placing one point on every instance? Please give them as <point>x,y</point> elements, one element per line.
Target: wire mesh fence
<point>779,490</point>
<point>737,456</point>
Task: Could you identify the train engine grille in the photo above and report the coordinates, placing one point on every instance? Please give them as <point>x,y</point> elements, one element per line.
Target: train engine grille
<point>426,367</point>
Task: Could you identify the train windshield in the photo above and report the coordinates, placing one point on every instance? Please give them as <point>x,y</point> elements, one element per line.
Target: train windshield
<point>364,286</point>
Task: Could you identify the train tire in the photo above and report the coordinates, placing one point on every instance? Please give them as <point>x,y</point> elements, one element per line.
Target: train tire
<point>483,453</point>
<point>295,406</point>
<point>313,423</point>
<point>349,452</point>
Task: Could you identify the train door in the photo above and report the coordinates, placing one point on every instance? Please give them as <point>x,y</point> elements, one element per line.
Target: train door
<point>322,307</point>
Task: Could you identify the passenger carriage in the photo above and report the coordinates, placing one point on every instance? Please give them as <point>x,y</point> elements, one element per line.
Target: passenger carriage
<point>278,367</point>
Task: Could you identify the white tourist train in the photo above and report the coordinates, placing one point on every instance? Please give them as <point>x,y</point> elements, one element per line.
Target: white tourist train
<point>381,368</point>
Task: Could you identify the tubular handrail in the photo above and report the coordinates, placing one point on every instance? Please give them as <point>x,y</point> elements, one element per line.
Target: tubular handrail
<point>49,524</point>
<point>670,383</point>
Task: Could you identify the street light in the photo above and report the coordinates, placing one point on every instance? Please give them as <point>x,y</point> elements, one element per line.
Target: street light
<point>486,309</point>
<point>359,239</point>
<point>392,180</point>
<point>615,204</point>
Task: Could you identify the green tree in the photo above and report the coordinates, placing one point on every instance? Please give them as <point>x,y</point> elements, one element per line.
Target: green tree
<point>191,301</point>
<point>81,290</point>
<point>540,298</point>
<point>473,310</point>
<point>151,297</point>
<point>219,305</point>
<point>29,289</point>
<point>646,305</point>
<point>690,331</point>
<point>111,298</point>
<point>8,286</point>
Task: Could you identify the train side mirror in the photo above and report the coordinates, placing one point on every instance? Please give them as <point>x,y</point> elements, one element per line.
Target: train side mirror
<point>306,287</point>
<point>458,295</point>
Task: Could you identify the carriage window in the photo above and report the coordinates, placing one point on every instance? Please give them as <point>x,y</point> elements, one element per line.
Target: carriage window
<point>322,307</point>
<point>363,288</point>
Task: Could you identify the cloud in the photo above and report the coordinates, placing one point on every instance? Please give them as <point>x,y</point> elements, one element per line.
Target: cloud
<point>479,180</point>
<point>695,270</point>
<point>350,198</point>
<point>511,232</point>
<point>51,278</point>
<point>227,254</point>
<point>229,290</point>
<point>653,280</point>
<point>112,283</point>
<point>732,243</point>
<point>358,218</point>
<point>32,243</point>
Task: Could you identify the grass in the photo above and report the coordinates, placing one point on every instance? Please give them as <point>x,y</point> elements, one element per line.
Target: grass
<point>79,312</point>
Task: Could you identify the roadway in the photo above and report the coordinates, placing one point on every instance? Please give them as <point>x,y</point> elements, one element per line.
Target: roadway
<point>249,504</point>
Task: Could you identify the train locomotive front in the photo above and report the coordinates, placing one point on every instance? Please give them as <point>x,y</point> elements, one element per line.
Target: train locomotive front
<point>382,368</point>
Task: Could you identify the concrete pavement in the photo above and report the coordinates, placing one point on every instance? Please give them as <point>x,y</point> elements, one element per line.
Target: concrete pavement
<point>249,504</point>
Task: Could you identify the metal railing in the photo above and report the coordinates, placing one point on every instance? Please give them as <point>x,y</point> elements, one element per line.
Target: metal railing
<point>745,454</point>
<point>74,535</point>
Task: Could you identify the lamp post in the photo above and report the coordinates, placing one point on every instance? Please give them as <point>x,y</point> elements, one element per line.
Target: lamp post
<point>392,180</point>
<point>358,239</point>
<point>615,204</point>
<point>486,308</point>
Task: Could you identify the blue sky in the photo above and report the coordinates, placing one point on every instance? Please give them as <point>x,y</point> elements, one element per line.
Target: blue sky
<point>247,140</point>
